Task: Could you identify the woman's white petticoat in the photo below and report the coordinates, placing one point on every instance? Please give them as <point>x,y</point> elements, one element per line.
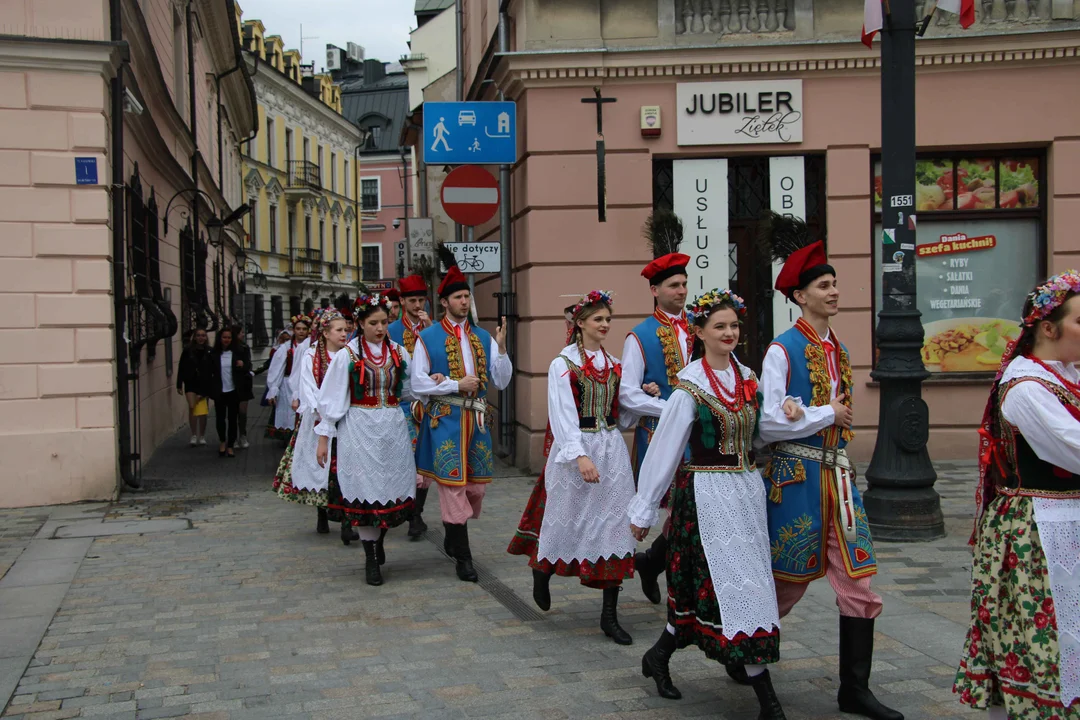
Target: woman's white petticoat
<point>1059,530</point>
<point>284,415</point>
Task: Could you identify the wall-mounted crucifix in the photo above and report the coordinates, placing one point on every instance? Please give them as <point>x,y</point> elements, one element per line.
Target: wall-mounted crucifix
<point>601,173</point>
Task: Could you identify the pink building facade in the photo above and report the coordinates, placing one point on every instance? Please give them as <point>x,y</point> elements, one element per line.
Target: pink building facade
<point>73,422</point>
<point>997,199</point>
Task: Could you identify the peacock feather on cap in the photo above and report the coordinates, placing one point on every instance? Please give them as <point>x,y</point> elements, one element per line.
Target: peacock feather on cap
<point>781,235</point>
<point>663,231</point>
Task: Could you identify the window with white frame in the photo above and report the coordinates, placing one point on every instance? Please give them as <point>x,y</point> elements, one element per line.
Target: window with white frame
<point>273,228</point>
<point>270,141</point>
<point>371,261</point>
<point>348,245</point>
<point>322,236</point>
<point>369,194</point>
<point>252,219</point>
<point>322,170</point>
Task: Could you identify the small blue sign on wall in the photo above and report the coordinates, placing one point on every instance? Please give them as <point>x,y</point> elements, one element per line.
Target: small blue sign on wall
<point>86,171</point>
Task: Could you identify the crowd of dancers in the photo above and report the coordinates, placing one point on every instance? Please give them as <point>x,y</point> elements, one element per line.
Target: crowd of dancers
<point>385,406</point>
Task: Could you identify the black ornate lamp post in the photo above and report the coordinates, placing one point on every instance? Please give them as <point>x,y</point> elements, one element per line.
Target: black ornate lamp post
<point>901,503</point>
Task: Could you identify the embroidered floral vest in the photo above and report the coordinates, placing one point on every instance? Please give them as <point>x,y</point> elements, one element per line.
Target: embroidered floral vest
<point>1025,472</point>
<point>370,385</point>
<point>728,445</point>
<point>596,399</point>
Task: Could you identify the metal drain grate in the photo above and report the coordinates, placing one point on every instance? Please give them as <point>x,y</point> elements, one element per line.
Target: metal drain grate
<point>492,585</point>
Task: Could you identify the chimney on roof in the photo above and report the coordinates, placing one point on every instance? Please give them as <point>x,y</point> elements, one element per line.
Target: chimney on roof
<point>374,71</point>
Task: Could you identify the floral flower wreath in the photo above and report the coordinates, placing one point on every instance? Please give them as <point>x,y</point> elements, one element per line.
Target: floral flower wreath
<point>326,317</point>
<point>299,318</point>
<point>371,302</point>
<point>703,305</point>
<point>595,297</point>
<point>1049,296</point>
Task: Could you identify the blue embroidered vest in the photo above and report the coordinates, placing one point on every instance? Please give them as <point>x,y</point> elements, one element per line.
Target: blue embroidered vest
<point>802,503</point>
<point>660,347</point>
<point>406,338</point>
<point>453,448</point>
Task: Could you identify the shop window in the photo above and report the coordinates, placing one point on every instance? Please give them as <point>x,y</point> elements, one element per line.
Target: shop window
<point>980,249</point>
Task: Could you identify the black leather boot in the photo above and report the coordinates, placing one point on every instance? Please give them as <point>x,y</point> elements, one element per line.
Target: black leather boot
<point>371,569</point>
<point>417,526</point>
<point>609,618</point>
<point>766,697</point>
<point>738,674</point>
<point>448,540</point>
<point>463,554</point>
<point>649,566</point>
<point>542,589</point>
<point>380,551</point>
<point>347,535</point>
<point>654,664</point>
<point>856,654</point>
<point>323,525</point>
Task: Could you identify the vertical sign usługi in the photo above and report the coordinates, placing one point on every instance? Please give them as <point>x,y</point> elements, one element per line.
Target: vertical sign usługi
<point>700,191</point>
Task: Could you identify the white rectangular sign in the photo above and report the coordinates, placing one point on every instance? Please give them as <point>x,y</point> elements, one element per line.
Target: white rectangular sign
<point>477,257</point>
<point>700,189</point>
<point>787,196</point>
<point>739,113</point>
<point>421,236</point>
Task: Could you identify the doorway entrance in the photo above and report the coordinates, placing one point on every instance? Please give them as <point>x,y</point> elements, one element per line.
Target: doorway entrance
<point>749,265</point>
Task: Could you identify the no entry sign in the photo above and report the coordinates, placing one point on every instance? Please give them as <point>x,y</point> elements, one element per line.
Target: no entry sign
<point>470,195</point>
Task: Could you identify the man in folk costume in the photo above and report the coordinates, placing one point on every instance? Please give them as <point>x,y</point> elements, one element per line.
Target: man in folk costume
<point>454,446</point>
<point>817,524</point>
<point>653,354</point>
<point>405,331</point>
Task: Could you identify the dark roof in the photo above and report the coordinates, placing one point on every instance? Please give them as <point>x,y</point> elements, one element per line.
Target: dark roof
<point>429,6</point>
<point>384,100</point>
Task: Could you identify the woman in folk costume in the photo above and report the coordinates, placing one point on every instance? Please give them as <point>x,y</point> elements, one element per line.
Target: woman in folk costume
<point>721,595</point>
<point>1022,655</point>
<point>358,404</point>
<point>301,350</point>
<point>300,478</point>
<point>653,354</point>
<point>278,387</point>
<point>405,330</point>
<point>587,480</point>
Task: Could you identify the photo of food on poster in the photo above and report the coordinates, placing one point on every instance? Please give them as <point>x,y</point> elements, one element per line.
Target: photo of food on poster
<point>971,184</point>
<point>972,278</point>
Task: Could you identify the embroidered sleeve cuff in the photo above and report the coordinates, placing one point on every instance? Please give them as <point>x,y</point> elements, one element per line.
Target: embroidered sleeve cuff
<point>642,513</point>
<point>570,453</point>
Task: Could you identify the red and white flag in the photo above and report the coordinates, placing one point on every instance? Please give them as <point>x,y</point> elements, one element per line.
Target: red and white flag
<point>871,22</point>
<point>964,8</point>
<point>872,17</point>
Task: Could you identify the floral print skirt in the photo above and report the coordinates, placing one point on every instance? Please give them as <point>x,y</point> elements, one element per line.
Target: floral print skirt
<point>1011,653</point>
<point>692,607</point>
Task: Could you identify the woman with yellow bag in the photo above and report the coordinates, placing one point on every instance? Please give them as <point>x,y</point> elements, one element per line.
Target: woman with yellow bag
<point>192,377</point>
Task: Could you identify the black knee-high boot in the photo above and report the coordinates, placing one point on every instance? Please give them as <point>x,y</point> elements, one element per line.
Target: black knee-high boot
<point>322,526</point>
<point>770,704</point>
<point>649,566</point>
<point>654,664</point>
<point>458,537</point>
<point>856,655</point>
<point>372,574</point>
<point>542,589</point>
<point>380,551</point>
<point>609,618</point>
<point>417,526</point>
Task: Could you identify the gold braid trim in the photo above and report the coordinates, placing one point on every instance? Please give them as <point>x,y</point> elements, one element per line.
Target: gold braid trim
<point>453,358</point>
<point>846,387</point>
<point>409,340</point>
<point>669,341</point>
<point>481,360</point>
<point>818,366</point>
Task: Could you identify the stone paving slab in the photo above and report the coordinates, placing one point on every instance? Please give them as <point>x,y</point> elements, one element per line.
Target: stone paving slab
<point>251,614</point>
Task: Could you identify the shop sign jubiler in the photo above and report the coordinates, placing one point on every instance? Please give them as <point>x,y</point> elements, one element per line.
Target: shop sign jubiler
<point>739,113</point>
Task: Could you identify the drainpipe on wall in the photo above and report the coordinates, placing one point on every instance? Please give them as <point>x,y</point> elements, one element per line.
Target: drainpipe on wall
<point>193,122</point>
<point>507,297</point>
<point>119,253</point>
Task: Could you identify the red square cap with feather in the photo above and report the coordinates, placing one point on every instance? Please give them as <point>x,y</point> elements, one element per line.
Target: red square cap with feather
<point>789,240</point>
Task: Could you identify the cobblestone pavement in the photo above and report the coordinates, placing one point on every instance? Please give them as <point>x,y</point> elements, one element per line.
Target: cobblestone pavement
<point>251,614</point>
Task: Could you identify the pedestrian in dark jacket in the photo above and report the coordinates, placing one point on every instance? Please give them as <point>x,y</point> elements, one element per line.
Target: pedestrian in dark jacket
<point>245,388</point>
<point>231,378</point>
<point>193,381</point>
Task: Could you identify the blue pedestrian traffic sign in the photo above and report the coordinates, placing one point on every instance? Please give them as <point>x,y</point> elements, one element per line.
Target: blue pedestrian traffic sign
<point>470,133</point>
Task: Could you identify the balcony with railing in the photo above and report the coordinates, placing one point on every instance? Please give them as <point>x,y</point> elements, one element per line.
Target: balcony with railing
<point>304,180</point>
<point>305,262</point>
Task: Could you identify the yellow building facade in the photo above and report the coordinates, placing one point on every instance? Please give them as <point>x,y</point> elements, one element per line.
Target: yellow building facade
<point>301,177</point>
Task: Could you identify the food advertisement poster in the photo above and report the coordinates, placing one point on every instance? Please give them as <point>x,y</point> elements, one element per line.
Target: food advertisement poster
<point>971,184</point>
<point>972,276</point>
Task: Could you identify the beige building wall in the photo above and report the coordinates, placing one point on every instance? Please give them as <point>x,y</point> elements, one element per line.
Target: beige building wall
<point>58,414</point>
